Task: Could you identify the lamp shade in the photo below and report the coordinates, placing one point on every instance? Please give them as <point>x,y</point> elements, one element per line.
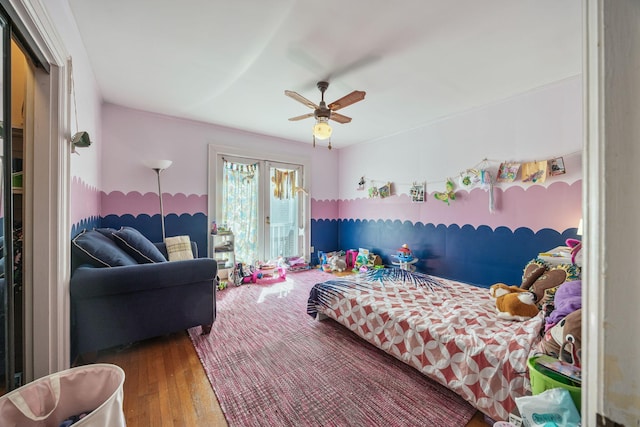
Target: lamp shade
<point>322,129</point>
<point>158,164</point>
<point>579,232</point>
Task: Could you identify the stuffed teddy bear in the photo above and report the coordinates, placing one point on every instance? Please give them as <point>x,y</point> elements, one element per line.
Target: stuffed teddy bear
<point>513,302</point>
<point>563,340</point>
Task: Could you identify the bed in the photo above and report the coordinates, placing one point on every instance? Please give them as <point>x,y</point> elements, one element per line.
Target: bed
<point>447,330</point>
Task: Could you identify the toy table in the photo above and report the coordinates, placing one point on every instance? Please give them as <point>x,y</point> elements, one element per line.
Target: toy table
<point>405,265</point>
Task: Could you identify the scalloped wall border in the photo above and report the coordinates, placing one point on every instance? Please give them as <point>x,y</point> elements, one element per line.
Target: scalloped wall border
<point>557,206</point>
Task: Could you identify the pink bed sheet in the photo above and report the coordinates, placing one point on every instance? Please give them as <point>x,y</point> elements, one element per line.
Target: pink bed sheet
<point>450,334</point>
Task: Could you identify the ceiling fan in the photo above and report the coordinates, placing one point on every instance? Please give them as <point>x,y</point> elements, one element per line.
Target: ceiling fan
<point>324,113</point>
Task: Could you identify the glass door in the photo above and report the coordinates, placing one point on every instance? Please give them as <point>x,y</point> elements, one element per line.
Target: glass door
<point>262,205</point>
<point>283,232</point>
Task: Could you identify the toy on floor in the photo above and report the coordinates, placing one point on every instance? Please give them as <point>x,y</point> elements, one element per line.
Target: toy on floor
<point>366,261</point>
<point>404,253</point>
<point>243,273</point>
<point>350,257</point>
<point>513,302</point>
<point>337,263</point>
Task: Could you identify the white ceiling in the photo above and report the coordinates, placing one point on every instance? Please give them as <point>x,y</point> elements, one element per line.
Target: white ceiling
<point>229,62</point>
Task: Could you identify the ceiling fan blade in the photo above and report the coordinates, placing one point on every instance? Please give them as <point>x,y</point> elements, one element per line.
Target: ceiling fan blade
<point>345,101</point>
<point>353,66</point>
<point>339,118</point>
<point>304,116</point>
<point>301,99</point>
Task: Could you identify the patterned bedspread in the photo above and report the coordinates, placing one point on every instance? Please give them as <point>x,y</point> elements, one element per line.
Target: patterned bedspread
<point>447,330</point>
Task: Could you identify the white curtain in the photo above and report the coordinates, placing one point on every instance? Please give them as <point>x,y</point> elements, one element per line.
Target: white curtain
<point>240,208</point>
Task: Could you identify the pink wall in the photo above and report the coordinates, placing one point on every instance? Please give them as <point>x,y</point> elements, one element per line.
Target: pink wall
<point>131,137</point>
<point>85,166</point>
<point>538,125</point>
<point>134,203</point>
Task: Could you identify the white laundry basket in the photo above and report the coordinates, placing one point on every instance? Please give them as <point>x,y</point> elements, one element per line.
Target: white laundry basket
<point>47,402</point>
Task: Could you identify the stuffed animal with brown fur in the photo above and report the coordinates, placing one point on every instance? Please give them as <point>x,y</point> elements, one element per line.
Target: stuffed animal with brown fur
<point>513,302</point>
<point>500,289</point>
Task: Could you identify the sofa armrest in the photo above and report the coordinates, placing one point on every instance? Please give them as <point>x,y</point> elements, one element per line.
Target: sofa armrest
<point>88,281</point>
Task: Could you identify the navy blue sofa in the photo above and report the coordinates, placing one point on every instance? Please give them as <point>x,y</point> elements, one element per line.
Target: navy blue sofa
<point>120,304</point>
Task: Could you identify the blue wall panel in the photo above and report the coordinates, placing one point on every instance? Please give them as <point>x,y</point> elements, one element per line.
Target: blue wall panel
<point>324,237</point>
<point>85,224</point>
<point>194,226</point>
<point>479,256</point>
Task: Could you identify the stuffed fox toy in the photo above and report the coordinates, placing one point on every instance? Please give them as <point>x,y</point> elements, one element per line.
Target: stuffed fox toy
<point>514,303</point>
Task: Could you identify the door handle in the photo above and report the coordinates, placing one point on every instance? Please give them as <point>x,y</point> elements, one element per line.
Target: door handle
<point>267,220</point>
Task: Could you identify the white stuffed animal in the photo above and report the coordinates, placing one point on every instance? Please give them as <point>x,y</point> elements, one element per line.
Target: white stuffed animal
<point>337,263</point>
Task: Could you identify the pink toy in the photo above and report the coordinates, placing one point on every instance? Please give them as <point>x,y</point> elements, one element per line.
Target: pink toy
<point>350,258</point>
<point>275,275</point>
<point>576,247</point>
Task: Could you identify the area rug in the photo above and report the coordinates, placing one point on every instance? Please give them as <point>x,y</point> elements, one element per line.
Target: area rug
<point>271,364</point>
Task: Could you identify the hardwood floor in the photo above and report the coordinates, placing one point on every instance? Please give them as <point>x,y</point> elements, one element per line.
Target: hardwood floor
<point>166,385</point>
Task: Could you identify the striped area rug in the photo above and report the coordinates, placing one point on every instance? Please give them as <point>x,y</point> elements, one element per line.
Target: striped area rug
<point>270,364</point>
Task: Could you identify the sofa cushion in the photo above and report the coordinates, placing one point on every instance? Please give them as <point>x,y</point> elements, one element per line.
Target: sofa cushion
<point>107,231</point>
<point>178,248</point>
<point>96,249</point>
<point>138,246</point>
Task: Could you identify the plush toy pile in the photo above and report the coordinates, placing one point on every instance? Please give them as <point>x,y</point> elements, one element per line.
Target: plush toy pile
<point>554,290</point>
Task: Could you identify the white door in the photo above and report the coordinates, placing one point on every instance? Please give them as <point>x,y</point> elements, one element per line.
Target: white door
<point>284,230</point>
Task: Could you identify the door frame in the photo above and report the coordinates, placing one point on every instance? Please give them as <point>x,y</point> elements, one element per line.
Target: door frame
<point>215,194</point>
<point>47,128</point>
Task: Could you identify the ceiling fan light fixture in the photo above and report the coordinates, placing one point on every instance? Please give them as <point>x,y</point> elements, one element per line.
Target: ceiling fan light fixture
<point>322,129</point>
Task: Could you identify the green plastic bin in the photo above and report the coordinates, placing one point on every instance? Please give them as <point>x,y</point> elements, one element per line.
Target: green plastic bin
<point>541,381</point>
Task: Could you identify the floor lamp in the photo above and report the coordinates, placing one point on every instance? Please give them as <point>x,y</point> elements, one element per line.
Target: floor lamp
<point>159,166</point>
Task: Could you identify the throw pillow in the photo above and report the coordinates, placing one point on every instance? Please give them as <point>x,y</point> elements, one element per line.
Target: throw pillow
<point>138,246</point>
<point>178,248</point>
<point>96,249</point>
<point>107,231</point>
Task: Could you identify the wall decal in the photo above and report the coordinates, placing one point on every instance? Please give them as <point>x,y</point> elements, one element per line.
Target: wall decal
<point>418,192</point>
<point>508,172</point>
<point>385,190</point>
<point>447,195</point>
<point>535,172</point>
<point>556,166</point>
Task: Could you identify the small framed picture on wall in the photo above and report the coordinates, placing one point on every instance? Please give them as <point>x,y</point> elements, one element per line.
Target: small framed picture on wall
<point>556,166</point>
<point>417,192</point>
<point>385,190</point>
